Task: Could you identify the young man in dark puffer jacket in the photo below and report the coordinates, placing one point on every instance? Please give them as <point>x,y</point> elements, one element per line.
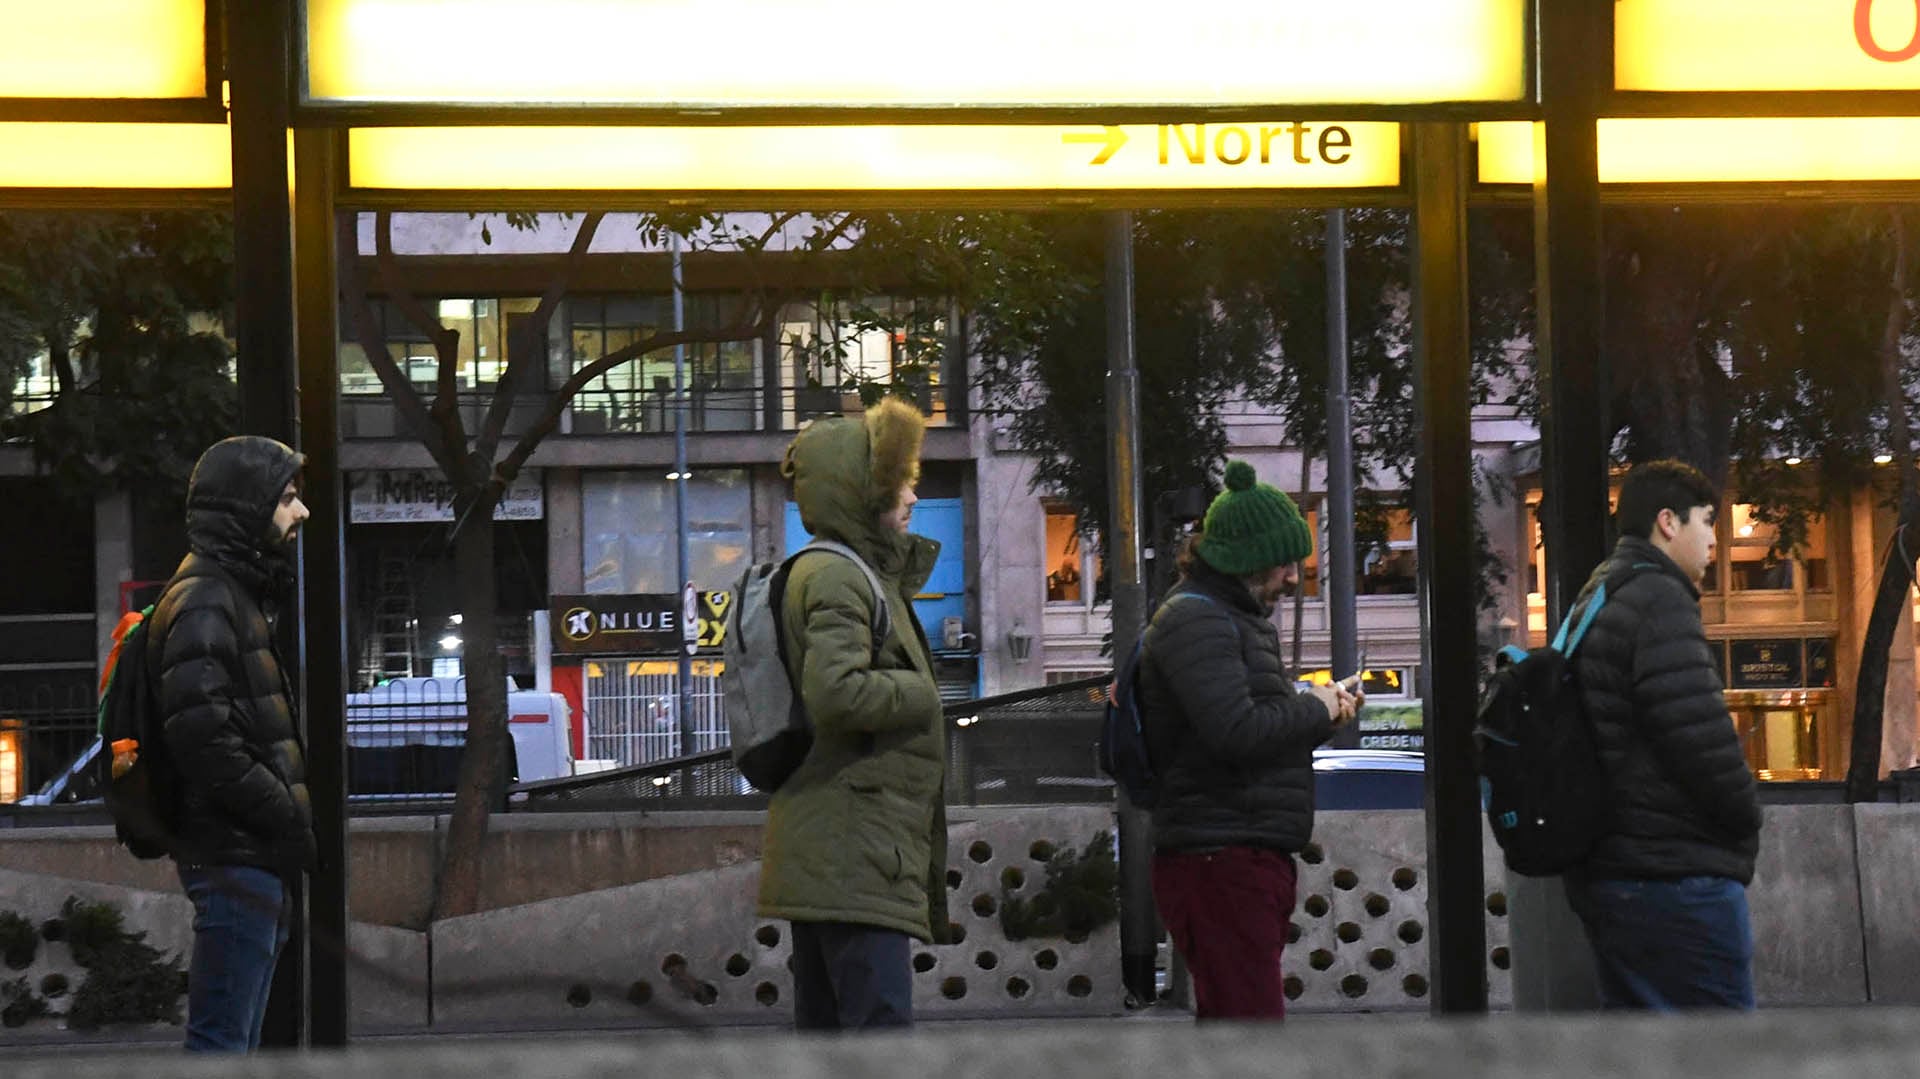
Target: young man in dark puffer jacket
<point>244,823</point>
<point>1232,741</point>
<point>1663,893</point>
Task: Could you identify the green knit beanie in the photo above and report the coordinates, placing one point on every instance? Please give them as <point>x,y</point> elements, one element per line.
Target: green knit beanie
<point>1252,527</point>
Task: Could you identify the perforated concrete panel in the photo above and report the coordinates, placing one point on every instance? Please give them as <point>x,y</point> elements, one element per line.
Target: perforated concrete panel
<point>688,950</point>
<point>1360,938</point>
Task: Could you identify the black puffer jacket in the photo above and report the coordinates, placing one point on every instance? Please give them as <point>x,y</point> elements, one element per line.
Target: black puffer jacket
<point>230,721</point>
<point>1682,801</point>
<point>1231,738</point>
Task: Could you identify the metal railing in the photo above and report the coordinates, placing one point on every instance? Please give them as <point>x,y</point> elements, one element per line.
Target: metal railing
<point>1032,747</point>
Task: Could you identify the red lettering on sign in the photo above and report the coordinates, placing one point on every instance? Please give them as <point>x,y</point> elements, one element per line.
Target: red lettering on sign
<point>1863,33</point>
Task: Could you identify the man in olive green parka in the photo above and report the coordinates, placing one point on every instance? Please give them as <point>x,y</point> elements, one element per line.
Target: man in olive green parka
<point>855,853</point>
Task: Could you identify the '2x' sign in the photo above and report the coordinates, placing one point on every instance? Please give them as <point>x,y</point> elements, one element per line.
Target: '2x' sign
<point>1863,33</point>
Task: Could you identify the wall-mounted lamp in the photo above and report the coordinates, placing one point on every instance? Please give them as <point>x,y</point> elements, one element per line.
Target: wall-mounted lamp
<point>1020,643</point>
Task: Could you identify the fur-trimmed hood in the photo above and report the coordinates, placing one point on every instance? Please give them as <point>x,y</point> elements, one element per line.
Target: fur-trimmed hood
<point>846,471</point>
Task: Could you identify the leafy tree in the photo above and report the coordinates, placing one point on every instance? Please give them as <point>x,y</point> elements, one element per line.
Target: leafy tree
<point>1740,335</point>
<point>123,310</point>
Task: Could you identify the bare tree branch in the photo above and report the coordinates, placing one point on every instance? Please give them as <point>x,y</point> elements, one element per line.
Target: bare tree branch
<point>446,343</point>
<point>521,365</point>
<point>367,329</point>
<point>744,329</point>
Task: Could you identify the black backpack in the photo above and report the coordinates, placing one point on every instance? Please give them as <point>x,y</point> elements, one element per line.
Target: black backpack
<point>135,772</point>
<point>1540,774</point>
<point>1123,734</point>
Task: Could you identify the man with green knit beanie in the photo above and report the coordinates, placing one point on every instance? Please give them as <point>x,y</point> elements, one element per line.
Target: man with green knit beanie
<point>1232,740</point>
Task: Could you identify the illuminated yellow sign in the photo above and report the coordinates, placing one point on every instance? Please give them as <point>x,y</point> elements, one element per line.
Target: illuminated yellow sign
<point>717,54</point>
<point>1766,45</point>
<point>115,155</point>
<point>1281,154</point>
<point>1746,149</point>
<point>103,48</point>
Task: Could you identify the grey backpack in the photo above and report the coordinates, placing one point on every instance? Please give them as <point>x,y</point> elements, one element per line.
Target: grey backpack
<point>765,718</point>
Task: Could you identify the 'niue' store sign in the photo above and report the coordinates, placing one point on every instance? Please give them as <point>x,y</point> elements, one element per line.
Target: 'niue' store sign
<point>634,624</point>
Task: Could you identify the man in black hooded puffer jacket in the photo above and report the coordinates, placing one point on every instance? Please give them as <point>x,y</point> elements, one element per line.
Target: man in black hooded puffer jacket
<point>1663,892</point>
<point>244,823</point>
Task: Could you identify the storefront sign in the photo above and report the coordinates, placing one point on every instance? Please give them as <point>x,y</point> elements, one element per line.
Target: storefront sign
<point>1770,663</point>
<point>1400,725</point>
<point>851,54</point>
<point>406,497</point>
<point>1766,45</point>
<point>1275,154</point>
<point>635,623</point>
<point>1820,661</point>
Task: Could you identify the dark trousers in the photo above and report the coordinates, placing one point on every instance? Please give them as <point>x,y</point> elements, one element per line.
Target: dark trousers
<point>240,924</point>
<point>850,977</point>
<point>1666,945</point>
<point>1227,911</point>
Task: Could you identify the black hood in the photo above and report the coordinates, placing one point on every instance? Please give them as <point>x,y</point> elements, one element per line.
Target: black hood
<point>230,502</point>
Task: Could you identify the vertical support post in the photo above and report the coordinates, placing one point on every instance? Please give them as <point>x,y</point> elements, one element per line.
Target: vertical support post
<point>259,65</point>
<point>323,616</point>
<point>1449,660</point>
<point>1339,580</point>
<point>684,708</point>
<point>1139,926</point>
<point>1552,969</point>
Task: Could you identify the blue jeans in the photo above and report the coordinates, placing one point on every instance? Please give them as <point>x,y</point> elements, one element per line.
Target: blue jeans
<point>850,977</point>
<point>1666,945</point>
<point>240,923</point>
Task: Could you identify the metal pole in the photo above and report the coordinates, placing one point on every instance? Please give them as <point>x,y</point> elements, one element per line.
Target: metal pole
<point>685,710</point>
<point>322,578</point>
<point>1339,582</point>
<point>259,62</point>
<point>1449,659</point>
<point>1139,925</point>
<point>1552,969</point>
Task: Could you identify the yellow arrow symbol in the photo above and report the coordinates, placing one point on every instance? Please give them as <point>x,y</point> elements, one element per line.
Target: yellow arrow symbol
<point>1111,137</point>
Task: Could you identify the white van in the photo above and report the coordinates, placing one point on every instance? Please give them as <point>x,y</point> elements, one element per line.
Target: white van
<point>404,739</point>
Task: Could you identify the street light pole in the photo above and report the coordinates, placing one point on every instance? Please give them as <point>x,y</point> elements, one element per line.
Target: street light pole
<point>684,713</point>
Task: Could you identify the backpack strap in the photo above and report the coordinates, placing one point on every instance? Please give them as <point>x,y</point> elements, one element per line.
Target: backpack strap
<point>1585,612</point>
<point>882,624</point>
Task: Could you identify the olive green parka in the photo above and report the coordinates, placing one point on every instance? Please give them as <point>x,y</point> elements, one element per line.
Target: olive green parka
<point>858,833</point>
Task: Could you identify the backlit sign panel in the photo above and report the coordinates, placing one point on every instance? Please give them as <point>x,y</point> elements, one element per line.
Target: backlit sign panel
<point>103,48</point>
<point>1725,150</point>
<point>1094,157</point>
<point>1766,45</point>
<point>77,155</point>
<point>915,54</point>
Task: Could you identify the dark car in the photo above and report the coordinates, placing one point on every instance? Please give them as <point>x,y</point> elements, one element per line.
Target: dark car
<point>1368,779</point>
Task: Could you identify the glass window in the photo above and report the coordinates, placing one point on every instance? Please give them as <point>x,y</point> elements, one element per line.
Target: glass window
<point>629,532</point>
<point>1064,554</point>
<point>1310,566</point>
<point>830,348</point>
<point>1751,562</point>
<point>1390,567</point>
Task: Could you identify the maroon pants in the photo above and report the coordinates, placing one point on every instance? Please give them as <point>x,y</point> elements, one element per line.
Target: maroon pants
<point>1227,911</point>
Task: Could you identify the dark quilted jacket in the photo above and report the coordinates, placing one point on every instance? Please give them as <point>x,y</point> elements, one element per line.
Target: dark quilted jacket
<point>230,722</point>
<point>1231,738</point>
<point>1682,800</point>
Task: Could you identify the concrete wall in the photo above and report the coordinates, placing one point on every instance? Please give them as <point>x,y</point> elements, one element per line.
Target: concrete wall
<point>616,919</point>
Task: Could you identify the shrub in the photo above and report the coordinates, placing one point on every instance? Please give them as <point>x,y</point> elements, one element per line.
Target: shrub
<point>1081,894</point>
<point>19,1003</point>
<point>128,981</point>
<point>18,942</point>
